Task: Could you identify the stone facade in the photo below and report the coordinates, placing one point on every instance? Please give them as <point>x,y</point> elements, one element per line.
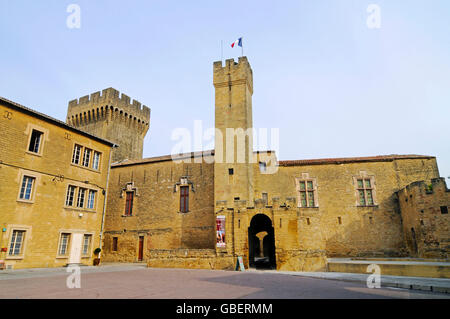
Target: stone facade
<point>155,184</point>
<point>426,223</point>
<point>354,212</point>
<point>111,115</point>
<point>36,170</point>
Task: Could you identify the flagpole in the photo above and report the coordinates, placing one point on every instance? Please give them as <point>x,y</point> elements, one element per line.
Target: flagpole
<point>221,50</point>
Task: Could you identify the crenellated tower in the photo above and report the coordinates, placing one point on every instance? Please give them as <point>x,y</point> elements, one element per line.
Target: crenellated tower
<point>233,169</point>
<point>112,116</point>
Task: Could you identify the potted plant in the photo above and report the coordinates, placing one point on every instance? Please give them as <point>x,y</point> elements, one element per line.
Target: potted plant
<point>97,259</point>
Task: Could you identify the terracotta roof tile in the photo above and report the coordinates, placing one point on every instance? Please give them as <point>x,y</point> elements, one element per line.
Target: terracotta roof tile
<point>342,160</point>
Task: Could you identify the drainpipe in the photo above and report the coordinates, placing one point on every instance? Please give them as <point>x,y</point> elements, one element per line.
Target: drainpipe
<point>104,201</point>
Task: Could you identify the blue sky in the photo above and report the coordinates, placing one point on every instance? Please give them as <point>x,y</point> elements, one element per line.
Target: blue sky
<point>333,86</point>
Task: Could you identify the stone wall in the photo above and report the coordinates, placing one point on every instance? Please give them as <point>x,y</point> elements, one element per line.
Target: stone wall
<point>426,225</point>
<point>189,258</point>
<point>156,208</point>
<point>338,224</point>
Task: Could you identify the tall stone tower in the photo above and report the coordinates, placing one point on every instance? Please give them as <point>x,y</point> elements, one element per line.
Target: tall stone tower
<point>233,170</point>
<point>112,117</point>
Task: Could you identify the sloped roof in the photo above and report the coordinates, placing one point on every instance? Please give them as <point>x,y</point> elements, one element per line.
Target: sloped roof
<point>52,120</point>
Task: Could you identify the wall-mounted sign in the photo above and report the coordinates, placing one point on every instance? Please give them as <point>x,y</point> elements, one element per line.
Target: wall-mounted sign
<point>220,230</point>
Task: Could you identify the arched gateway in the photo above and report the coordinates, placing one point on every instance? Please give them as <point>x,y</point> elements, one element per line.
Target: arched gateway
<point>261,243</point>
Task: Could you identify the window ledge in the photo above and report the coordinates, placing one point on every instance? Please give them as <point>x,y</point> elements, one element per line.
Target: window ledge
<point>128,215</point>
<point>33,153</point>
<point>14,257</point>
<point>62,257</point>
<point>309,207</point>
<point>87,168</point>
<point>184,212</point>
<point>81,210</point>
<point>26,201</point>
<point>368,206</point>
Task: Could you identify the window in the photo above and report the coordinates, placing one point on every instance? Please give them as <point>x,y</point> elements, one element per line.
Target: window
<point>86,157</point>
<point>365,192</point>
<point>264,198</point>
<point>262,167</point>
<point>230,171</point>
<point>16,246</point>
<point>129,204</point>
<point>96,161</point>
<point>27,188</point>
<point>80,198</point>
<point>86,244</point>
<point>444,210</point>
<point>64,244</point>
<point>76,154</point>
<point>91,199</point>
<point>70,195</point>
<point>35,141</point>
<point>184,199</point>
<point>114,244</point>
<point>307,193</point>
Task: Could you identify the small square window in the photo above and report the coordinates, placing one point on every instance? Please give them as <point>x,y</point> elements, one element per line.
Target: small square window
<point>86,244</point>
<point>76,154</point>
<point>96,161</point>
<point>81,197</point>
<point>230,171</point>
<point>26,189</point>
<point>86,157</point>
<point>16,245</point>
<point>35,141</point>
<point>91,199</point>
<point>63,244</point>
<point>70,195</point>
<point>444,209</point>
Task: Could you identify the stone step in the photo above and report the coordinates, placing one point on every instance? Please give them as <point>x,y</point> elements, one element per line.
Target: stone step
<point>394,267</point>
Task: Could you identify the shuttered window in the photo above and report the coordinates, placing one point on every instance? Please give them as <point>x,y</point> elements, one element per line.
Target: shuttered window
<point>184,199</point>
<point>129,204</point>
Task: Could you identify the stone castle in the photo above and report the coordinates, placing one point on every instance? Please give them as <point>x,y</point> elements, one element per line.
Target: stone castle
<point>204,214</point>
<point>83,184</point>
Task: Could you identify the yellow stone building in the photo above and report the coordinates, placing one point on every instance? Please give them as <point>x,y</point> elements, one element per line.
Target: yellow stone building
<point>53,181</point>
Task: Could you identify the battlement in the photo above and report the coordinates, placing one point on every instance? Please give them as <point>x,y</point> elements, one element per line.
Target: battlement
<point>108,98</point>
<point>235,72</point>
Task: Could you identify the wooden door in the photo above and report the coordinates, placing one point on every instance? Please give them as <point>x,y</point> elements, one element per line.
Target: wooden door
<point>75,249</point>
<point>141,248</point>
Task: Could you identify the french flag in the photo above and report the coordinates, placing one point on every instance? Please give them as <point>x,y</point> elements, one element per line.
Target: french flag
<point>238,42</point>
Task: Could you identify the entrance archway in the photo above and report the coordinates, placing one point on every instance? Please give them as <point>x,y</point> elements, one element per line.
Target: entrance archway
<point>261,243</point>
